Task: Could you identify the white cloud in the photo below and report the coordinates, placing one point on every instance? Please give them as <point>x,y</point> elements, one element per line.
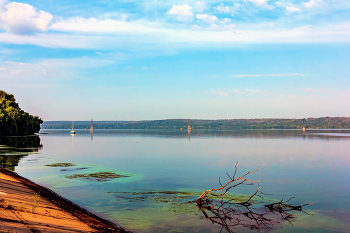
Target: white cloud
<point>230,26</point>
<point>258,2</point>
<point>48,69</point>
<point>200,6</point>
<point>250,91</point>
<point>26,71</point>
<point>280,4</point>
<point>261,3</point>
<point>228,9</point>
<point>292,8</point>
<point>225,20</point>
<point>218,92</point>
<point>55,40</point>
<point>182,12</point>
<point>19,18</point>
<point>79,24</point>
<point>144,35</point>
<point>214,26</point>
<point>309,89</point>
<point>265,75</point>
<point>256,91</point>
<point>223,9</point>
<point>207,18</point>
<point>312,3</point>
<point>7,51</point>
<point>196,27</point>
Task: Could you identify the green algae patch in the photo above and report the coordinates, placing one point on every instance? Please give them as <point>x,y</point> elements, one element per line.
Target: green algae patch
<point>60,165</point>
<point>79,176</point>
<point>188,196</point>
<point>98,176</point>
<point>177,211</point>
<point>73,169</point>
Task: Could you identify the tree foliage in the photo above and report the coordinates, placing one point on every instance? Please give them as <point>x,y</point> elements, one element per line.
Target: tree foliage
<point>15,121</point>
<point>227,124</point>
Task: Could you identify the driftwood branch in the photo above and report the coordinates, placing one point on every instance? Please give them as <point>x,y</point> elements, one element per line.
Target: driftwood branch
<point>230,214</point>
<point>230,184</point>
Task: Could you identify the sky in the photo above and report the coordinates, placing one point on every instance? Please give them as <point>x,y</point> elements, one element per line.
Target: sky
<point>167,59</point>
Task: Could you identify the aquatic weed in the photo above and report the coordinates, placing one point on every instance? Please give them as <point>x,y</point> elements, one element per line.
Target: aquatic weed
<point>98,176</point>
<point>60,165</point>
<point>73,169</point>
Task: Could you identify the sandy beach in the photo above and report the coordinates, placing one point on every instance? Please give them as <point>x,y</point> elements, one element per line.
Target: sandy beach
<point>29,207</point>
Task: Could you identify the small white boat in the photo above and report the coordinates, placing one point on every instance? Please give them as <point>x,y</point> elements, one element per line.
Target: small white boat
<point>72,132</point>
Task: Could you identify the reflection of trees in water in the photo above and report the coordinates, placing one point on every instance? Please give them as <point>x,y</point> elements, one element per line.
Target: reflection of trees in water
<point>15,148</point>
<point>204,133</point>
<point>21,142</point>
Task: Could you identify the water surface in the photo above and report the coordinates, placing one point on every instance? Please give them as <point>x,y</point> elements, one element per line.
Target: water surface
<point>164,171</point>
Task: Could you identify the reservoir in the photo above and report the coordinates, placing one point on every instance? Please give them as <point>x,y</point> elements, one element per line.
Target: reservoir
<point>162,172</point>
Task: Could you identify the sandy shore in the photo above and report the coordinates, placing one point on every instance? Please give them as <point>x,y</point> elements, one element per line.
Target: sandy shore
<point>52,213</point>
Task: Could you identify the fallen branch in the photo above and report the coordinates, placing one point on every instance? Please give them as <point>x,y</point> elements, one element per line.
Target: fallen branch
<point>231,214</point>
<point>230,184</point>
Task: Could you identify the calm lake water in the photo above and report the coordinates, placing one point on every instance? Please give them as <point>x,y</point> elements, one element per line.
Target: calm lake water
<point>167,170</point>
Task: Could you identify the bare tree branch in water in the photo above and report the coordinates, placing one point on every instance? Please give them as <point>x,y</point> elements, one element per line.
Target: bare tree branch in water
<point>230,184</point>
<point>231,214</point>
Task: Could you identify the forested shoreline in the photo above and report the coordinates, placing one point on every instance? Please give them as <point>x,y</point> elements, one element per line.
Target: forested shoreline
<point>13,120</point>
<point>228,124</point>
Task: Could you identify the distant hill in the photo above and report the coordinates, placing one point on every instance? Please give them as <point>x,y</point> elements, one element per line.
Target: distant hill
<point>230,124</point>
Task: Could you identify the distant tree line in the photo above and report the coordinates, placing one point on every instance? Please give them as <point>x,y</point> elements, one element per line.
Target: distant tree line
<point>231,124</point>
<point>13,120</point>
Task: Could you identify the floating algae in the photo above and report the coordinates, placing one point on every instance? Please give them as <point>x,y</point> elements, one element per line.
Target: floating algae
<point>182,202</point>
<point>73,169</point>
<point>98,176</point>
<point>60,165</point>
<point>175,196</point>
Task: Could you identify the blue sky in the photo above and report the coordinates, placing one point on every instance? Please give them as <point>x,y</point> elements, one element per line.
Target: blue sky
<point>155,59</point>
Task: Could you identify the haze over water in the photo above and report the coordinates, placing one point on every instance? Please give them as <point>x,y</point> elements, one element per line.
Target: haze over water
<point>163,164</point>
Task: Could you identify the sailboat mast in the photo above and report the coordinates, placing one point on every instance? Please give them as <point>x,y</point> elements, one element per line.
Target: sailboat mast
<point>92,126</point>
<point>72,132</point>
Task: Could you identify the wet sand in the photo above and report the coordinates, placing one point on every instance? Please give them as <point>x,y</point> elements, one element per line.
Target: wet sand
<point>52,213</point>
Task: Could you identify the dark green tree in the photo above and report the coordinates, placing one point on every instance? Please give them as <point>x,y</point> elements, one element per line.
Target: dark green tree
<point>15,121</point>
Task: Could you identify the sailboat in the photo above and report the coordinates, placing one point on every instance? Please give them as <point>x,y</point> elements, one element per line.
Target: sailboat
<point>189,125</point>
<point>92,126</point>
<point>72,132</point>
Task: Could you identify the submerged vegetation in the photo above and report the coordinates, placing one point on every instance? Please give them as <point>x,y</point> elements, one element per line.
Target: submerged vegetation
<point>60,165</point>
<point>73,169</point>
<point>13,120</point>
<point>229,211</point>
<point>232,213</point>
<point>98,176</point>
